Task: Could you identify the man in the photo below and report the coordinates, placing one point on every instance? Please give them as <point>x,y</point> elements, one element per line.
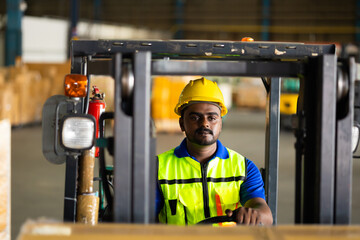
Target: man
<point>201,178</point>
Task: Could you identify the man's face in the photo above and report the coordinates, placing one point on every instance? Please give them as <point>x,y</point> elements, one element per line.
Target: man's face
<point>202,123</point>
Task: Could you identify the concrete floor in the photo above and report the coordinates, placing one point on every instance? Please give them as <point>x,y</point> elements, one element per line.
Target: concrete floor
<point>38,185</point>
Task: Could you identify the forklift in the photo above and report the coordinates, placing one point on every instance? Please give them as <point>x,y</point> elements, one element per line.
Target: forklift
<point>324,123</point>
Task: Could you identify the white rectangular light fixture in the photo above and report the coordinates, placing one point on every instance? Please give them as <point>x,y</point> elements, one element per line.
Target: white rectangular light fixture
<point>78,132</point>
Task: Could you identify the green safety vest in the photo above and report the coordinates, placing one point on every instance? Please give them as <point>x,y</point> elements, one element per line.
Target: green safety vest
<point>194,191</point>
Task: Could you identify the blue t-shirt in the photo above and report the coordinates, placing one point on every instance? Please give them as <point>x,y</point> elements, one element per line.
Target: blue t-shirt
<point>252,187</point>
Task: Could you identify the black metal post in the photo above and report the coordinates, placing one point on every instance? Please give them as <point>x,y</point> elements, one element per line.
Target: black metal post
<point>299,148</point>
<point>143,165</point>
<point>122,152</point>
<point>78,67</point>
<point>71,175</point>
<point>319,154</point>
<point>272,145</point>
<point>343,184</point>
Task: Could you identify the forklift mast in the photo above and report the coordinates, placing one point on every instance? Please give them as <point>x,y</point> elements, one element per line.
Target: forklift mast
<point>322,125</point>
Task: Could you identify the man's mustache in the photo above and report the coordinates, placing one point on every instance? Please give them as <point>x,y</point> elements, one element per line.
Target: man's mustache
<point>202,129</point>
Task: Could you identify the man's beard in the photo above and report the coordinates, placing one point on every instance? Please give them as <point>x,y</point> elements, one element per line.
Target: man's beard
<point>203,141</point>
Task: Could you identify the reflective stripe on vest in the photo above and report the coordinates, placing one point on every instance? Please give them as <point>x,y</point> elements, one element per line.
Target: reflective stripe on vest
<point>194,191</point>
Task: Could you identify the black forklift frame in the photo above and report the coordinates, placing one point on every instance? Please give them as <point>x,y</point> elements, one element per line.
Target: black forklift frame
<point>323,146</point>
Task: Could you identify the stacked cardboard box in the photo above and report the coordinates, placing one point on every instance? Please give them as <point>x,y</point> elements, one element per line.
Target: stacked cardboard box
<point>250,93</point>
<point>38,230</point>
<point>54,73</point>
<point>25,88</point>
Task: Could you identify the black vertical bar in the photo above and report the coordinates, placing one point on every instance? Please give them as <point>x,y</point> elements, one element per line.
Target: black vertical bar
<point>74,18</point>
<point>122,152</point>
<point>153,173</point>
<point>343,150</point>
<point>71,175</point>
<point>357,21</point>
<point>77,65</point>
<point>86,61</point>
<point>272,145</point>
<point>298,180</point>
<point>299,150</point>
<point>309,176</point>
<point>327,139</point>
<point>319,154</point>
<point>142,187</point>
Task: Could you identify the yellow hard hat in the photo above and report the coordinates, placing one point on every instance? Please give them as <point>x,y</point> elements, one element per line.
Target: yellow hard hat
<point>201,90</point>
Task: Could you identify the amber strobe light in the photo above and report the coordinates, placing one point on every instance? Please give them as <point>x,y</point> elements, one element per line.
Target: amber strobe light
<point>247,39</point>
<point>75,85</point>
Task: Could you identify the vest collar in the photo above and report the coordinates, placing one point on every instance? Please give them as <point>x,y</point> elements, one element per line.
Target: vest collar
<point>181,151</point>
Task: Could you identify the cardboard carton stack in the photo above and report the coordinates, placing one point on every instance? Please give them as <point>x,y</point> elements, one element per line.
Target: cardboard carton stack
<point>25,88</point>
<point>54,73</point>
<point>250,93</point>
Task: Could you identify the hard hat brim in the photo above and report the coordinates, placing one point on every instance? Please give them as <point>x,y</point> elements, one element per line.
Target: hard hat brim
<point>179,108</point>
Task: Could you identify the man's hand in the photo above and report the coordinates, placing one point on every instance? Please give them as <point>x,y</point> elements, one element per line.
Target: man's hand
<point>254,212</point>
<point>247,216</point>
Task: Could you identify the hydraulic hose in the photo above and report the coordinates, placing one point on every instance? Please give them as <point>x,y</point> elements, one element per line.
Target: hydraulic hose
<point>108,196</point>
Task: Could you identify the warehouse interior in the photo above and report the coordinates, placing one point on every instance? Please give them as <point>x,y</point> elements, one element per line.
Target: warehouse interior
<point>35,39</point>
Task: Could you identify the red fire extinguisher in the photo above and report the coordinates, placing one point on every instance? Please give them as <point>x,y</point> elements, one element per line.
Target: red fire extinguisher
<point>96,108</point>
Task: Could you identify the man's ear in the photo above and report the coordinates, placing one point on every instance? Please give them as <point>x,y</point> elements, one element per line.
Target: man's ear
<point>181,123</point>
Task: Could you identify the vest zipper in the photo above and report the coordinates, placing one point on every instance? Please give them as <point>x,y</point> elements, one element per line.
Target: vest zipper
<point>205,189</point>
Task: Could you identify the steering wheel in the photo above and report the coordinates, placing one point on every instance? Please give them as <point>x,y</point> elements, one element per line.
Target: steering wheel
<point>218,219</point>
